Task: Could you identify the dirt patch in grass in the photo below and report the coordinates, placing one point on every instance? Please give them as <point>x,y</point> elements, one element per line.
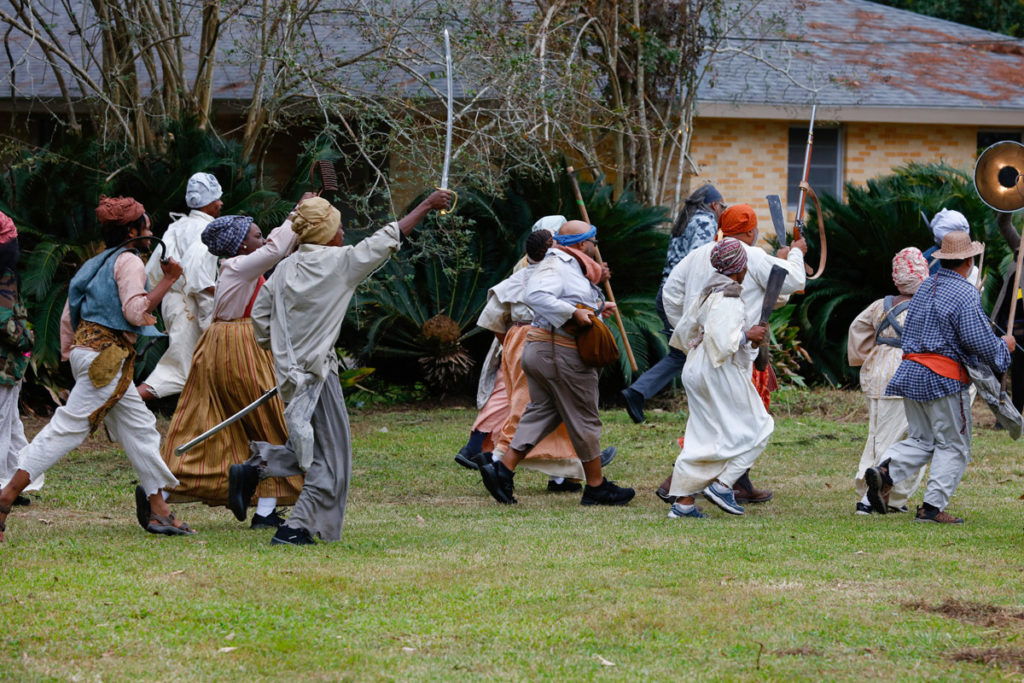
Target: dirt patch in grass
<point>1010,657</point>
<point>977,613</point>
<point>799,652</point>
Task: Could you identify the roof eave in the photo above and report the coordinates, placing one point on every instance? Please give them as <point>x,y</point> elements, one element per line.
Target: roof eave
<point>1005,117</point>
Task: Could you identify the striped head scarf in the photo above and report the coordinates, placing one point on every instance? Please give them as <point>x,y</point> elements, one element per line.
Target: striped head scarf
<point>729,256</point>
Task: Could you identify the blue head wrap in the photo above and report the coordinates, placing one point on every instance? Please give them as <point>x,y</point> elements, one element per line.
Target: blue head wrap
<point>569,240</point>
<point>224,235</point>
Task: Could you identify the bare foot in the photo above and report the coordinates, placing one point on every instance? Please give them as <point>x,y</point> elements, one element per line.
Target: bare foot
<point>159,506</point>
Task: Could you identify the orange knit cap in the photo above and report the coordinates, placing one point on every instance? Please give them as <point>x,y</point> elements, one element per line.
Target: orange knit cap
<point>737,219</point>
<point>118,210</point>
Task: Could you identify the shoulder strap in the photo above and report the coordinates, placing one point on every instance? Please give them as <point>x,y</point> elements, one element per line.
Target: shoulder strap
<point>891,321</point>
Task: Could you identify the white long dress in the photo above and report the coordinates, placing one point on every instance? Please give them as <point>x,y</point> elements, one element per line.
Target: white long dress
<point>728,425</point>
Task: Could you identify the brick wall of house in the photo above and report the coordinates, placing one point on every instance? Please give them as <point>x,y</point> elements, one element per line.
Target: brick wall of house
<point>747,160</point>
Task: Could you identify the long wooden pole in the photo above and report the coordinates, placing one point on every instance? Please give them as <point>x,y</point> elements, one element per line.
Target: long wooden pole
<point>607,284</point>
<point>1013,304</point>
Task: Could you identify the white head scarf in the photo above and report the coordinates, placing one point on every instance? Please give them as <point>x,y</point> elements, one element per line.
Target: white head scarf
<point>550,223</point>
<point>202,189</point>
<point>947,221</point>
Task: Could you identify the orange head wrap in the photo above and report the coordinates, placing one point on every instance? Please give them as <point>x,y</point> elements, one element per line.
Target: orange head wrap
<point>737,219</point>
<point>118,210</point>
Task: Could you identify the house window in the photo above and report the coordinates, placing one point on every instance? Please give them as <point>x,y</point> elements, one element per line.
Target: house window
<point>826,175</point>
<point>987,138</point>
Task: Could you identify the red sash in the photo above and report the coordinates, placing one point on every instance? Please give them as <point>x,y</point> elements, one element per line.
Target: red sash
<point>944,366</point>
<point>248,309</point>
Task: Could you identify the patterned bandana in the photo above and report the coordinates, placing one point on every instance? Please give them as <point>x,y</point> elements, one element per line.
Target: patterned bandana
<point>737,219</point>
<point>729,257</point>
<point>202,189</point>
<point>569,240</point>
<point>7,230</point>
<point>224,235</point>
<point>909,269</point>
<point>118,210</point>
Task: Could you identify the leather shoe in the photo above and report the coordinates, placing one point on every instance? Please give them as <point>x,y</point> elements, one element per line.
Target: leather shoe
<point>752,495</point>
<point>634,404</point>
<point>499,482</point>
<point>242,482</point>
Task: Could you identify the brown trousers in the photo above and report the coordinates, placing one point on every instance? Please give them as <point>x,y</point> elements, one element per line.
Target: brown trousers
<point>562,390</point>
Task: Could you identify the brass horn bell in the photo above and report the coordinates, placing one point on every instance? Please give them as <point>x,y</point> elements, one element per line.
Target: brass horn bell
<point>999,176</point>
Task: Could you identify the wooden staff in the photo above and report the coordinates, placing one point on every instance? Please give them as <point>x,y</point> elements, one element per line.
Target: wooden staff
<point>1013,304</point>
<point>607,284</point>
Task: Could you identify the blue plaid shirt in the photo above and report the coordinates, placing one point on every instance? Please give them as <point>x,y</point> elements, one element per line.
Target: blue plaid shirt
<point>945,317</point>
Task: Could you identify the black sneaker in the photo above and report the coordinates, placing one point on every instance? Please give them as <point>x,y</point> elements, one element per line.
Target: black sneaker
<point>288,536</point>
<point>271,521</point>
<point>606,494</point>
<point>498,480</point>
<point>863,509</point>
<point>634,404</point>
<point>897,510</point>
<point>242,482</point>
<point>567,486</point>
<point>22,500</point>
<point>467,458</point>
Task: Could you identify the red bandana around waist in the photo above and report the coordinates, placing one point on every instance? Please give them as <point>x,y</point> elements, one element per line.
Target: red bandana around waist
<point>944,366</point>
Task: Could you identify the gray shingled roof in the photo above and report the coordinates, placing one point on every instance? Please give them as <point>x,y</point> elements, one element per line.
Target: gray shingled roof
<point>858,53</point>
<point>851,53</point>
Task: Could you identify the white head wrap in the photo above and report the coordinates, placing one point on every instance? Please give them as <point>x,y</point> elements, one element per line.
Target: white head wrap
<point>909,269</point>
<point>202,189</point>
<point>947,221</point>
<point>550,223</point>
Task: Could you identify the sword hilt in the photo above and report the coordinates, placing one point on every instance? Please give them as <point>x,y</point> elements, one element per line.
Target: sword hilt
<point>453,193</point>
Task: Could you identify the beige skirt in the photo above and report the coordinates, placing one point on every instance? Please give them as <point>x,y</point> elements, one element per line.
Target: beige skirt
<point>229,371</point>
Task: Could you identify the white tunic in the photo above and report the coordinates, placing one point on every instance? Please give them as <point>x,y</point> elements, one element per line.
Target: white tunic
<point>178,307</point>
<point>728,426</point>
<point>689,276</point>
<point>298,315</point>
<point>554,289</point>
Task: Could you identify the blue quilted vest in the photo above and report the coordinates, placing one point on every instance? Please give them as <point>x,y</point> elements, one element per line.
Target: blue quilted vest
<point>93,296</point>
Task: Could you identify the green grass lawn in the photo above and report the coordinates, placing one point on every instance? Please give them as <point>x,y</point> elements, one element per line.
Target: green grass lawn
<point>434,580</point>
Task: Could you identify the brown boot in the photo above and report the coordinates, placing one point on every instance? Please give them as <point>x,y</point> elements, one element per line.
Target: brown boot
<point>937,516</point>
<point>745,492</point>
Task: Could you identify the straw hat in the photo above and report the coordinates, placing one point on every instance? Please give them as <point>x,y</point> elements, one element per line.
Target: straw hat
<point>958,245</point>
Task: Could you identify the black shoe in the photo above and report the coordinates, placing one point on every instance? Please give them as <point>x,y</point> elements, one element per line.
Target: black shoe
<point>862,509</point>
<point>22,500</point>
<point>606,494</point>
<point>878,489</point>
<point>242,482</point>
<point>498,480</point>
<point>607,455</point>
<point>664,495</point>
<point>142,508</point>
<point>567,486</point>
<point>897,510</point>
<point>288,536</point>
<point>634,404</point>
<point>271,521</point>
<point>468,458</point>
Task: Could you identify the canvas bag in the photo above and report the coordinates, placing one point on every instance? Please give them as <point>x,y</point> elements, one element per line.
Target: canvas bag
<point>596,345</point>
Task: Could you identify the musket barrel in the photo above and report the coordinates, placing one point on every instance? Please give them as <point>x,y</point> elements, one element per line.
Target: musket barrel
<point>804,178</point>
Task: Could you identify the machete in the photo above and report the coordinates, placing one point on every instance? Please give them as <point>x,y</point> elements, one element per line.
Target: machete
<point>772,291</point>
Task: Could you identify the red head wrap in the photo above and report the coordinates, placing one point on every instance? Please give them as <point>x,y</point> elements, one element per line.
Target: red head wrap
<point>7,230</point>
<point>737,219</point>
<point>118,210</point>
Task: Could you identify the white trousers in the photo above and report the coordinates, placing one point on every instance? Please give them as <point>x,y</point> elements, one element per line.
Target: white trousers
<point>169,375</point>
<point>129,422</point>
<point>12,437</point>
<point>887,424</point>
<point>938,433</point>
